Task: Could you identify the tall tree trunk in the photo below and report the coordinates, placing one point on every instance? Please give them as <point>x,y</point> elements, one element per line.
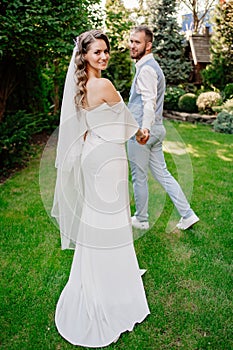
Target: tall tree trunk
<point>195,22</point>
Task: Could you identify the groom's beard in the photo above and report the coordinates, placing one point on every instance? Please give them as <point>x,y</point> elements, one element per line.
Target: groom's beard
<point>137,55</point>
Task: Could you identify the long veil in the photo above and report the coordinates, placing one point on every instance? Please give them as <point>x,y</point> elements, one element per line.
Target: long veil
<point>68,197</point>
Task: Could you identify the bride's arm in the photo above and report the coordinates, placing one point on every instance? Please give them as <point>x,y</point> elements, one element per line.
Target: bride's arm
<point>111,96</point>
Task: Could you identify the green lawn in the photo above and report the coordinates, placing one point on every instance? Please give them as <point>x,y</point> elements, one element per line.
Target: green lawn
<point>189,274</point>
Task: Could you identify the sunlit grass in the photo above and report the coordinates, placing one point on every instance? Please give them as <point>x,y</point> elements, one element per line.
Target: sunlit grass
<point>189,274</point>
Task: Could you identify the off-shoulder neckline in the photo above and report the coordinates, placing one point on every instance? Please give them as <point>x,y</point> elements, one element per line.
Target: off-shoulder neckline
<point>101,105</point>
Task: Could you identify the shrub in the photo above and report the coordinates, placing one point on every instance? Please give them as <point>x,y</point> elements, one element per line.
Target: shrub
<point>201,90</point>
<point>16,132</point>
<point>206,100</point>
<point>228,92</point>
<point>227,107</point>
<point>189,87</point>
<point>171,98</point>
<point>187,103</point>
<point>224,123</point>
<point>214,76</point>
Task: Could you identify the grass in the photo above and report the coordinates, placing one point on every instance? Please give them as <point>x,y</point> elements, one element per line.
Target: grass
<point>188,281</point>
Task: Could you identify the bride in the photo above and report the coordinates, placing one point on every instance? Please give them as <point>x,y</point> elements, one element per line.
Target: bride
<point>104,295</point>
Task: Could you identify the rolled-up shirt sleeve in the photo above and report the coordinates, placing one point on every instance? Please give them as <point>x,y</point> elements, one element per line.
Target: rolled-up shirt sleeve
<point>146,85</point>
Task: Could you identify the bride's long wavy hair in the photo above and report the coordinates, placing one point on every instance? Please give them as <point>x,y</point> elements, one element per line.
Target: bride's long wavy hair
<point>83,45</point>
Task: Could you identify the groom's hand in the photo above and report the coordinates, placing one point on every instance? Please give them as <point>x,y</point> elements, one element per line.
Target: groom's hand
<point>146,135</point>
<point>142,136</point>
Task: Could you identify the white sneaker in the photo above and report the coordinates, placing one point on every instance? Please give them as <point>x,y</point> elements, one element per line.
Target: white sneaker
<point>183,224</point>
<point>142,225</point>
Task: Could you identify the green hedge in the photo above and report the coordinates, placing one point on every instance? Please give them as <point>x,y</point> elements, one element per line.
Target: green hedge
<point>16,134</point>
<point>171,97</point>
<point>187,103</point>
<point>228,92</point>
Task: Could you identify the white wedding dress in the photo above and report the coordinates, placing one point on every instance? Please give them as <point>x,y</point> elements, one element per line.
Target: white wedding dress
<point>104,295</point>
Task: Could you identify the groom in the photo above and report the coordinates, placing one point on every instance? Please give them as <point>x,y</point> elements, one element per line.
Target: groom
<point>146,104</point>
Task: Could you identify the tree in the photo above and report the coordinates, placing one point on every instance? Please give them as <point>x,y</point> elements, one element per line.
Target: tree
<point>168,45</point>
<point>199,10</point>
<point>118,24</point>
<point>220,71</point>
<point>34,32</point>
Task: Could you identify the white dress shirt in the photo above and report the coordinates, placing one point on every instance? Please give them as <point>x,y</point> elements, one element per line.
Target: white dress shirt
<point>146,85</point>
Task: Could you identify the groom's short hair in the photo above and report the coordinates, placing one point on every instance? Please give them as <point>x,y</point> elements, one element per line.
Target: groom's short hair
<point>146,30</point>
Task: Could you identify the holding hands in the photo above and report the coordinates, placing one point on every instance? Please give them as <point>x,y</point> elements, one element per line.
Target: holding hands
<point>142,136</point>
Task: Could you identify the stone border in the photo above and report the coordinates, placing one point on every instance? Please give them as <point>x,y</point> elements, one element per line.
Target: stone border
<point>189,117</point>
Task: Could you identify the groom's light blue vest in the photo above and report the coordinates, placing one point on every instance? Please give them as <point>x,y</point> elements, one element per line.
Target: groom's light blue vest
<point>135,100</point>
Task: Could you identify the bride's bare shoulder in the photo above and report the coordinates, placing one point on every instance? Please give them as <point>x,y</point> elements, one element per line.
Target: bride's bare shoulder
<point>102,90</point>
<point>102,83</point>
<point>110,94</point>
